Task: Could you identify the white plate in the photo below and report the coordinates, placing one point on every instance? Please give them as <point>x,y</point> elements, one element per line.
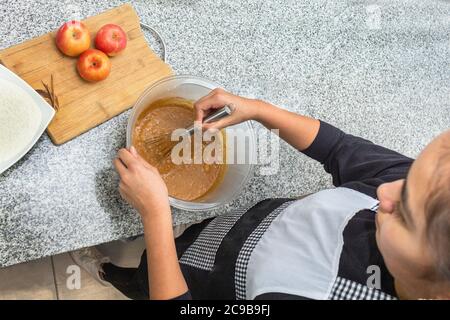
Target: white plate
<point>47,113</point>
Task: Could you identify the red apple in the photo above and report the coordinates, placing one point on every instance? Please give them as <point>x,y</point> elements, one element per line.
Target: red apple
<point>111,39</point>
<point>93,65</point>
<point>73,38</point>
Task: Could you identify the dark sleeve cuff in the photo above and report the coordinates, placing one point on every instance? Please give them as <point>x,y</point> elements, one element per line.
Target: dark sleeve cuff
<point>184,296</point>
<point>327,137</point>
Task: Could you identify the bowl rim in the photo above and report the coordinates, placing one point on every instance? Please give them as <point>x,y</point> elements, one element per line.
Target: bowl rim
<point>192,205</point>
<point>47,114</point>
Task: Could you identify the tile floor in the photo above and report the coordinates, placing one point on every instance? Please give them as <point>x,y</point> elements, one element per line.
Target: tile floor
<point>50,278</point>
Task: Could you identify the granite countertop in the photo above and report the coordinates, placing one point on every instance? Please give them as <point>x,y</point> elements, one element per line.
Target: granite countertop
<point>379,69</point>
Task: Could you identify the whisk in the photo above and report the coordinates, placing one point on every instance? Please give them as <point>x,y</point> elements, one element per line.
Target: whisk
<point>163,143</point>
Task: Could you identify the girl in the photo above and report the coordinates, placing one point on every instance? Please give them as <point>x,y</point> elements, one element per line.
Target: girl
<point>382,233</point>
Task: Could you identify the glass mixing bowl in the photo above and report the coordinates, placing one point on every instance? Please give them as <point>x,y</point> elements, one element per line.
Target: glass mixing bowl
<point>241,167</point>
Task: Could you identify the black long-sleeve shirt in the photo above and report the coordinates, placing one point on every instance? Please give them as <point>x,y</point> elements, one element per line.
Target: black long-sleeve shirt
<point>356,163</point>
<point>320,247</point>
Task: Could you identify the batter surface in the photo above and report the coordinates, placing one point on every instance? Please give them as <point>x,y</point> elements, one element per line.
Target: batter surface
<point>184,181</point>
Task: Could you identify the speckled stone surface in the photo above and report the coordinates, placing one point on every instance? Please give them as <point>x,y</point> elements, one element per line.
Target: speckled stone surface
<point>379,69</point>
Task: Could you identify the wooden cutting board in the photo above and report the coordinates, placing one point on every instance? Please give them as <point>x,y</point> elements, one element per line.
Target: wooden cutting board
<point>84,105</point>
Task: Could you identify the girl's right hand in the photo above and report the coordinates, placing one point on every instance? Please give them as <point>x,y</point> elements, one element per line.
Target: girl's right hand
<point>242,109</point>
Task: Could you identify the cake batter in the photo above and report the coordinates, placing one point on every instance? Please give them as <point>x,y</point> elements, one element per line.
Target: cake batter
<point>184,181</point>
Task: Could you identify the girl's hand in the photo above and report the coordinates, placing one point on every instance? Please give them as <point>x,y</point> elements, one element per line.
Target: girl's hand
<point>242,109</point>
<point>140,184</point>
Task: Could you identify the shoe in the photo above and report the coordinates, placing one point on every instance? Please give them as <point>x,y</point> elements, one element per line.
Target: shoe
<point>91,260</point>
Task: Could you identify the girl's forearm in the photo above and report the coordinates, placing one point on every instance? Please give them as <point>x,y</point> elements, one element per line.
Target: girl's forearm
<point>297,130</point>
<point>165,278</point>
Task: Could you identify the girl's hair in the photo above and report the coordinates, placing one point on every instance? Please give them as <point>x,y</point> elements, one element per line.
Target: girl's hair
<point>438,230</point>
<point>437,213</point>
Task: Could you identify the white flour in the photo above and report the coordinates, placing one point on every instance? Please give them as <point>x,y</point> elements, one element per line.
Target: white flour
<point>19,120</point>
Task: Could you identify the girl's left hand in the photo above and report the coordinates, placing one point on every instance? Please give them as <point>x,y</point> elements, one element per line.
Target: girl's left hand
<point>141,184</point>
